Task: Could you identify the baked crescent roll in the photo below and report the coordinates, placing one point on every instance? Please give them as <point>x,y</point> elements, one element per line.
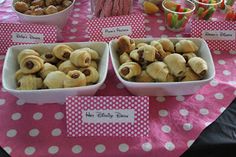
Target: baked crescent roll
<point>167,44</point>
<point>190,75</point>
<point>125,58</point>
<point>94,64</point>
<point>47,68</point>
<point>94,54</point>
<point>91,74</point>
<point>80,58</point>
<point>19,74</point>
<point>66,66</point>
<point>188,56</point>
<point>75,78</point>
<point>158,71</point>
<point>125,44</point>
<point>176,63</point>
<point>129,70</point>
<point>26,52</point>
<point>198,65</point>
<point>144,77</point>
<point>134,55</point>
<point>31,64</point>
<point>140,45</point>
<point>49,58</point>
<point>55,79</point>
<point>149,52</point>
<point>186,46</point>
<point>29,82</point>
<point>62,51</point>
<point>159,48</point>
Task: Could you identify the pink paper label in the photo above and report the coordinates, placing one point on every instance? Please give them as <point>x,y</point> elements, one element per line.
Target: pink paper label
<point>220,35</point>
<point>126,116</point>
<point>106,29</point>
<point>15,34</point>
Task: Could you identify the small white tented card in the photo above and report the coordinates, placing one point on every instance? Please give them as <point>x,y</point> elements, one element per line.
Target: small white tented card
<point>106,29</point>
<point>126,116</point>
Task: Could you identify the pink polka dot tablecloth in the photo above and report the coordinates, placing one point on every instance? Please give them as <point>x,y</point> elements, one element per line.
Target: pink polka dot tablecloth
<point>175,122</point>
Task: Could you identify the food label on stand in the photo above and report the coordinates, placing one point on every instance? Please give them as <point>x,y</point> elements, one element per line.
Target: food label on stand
<point>20,37</point>
<point>122,116</point>
<point>18,33</point>
<point>219,35</point>
<point>109,28</point>
<point>116,31</point>
<point>108,116</point>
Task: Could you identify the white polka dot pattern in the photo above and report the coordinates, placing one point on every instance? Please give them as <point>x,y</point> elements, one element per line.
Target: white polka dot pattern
<point>147,147</point>
<point>190,142</point>
<point>163,113</point>
<point>38,116</point>
<point>166,129</point>
<point>7,149</point>
<point>53,149</point>
<point>160,99</point>
<point>123,147</point>
<point>2,101</point>
<point>29,150</point>
<point>169,146</point>
<point>34,132</point>
<point>76,149</point>
<point>75,126</point>
<point>100,148</point>
<point>11,133</point>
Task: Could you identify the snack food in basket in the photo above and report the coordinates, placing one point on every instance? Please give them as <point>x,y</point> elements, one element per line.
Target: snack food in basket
<point>161,61</point>
<point>40,72</point>
<point>41,7</point>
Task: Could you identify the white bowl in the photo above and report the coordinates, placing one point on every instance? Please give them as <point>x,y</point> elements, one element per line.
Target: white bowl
<point>166,88</point>
<point>52,95</point>
<point>58,19</point>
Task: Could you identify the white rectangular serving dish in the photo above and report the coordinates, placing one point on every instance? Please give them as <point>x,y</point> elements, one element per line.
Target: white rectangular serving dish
<point>58,19</point>
<point>166,88</point>
<point>52,95</point>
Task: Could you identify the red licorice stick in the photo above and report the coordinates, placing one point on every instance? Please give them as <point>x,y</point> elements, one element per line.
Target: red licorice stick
<point>169,19</point>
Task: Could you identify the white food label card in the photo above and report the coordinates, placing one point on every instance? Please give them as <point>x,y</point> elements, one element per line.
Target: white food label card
<point>125,116</point>
<point>106,29</point>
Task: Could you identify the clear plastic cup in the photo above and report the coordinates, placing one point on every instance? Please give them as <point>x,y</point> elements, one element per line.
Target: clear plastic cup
<point>205,9</point>
<point>177,14</point>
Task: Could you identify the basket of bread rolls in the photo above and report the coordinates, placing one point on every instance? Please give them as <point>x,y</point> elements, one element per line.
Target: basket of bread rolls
<point>47,73</point>
<point>162,66</point>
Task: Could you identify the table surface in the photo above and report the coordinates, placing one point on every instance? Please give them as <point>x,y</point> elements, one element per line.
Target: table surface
<point>175,122</point>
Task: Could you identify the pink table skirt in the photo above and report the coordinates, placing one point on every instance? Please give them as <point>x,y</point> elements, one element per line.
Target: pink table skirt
<point>175,122</point>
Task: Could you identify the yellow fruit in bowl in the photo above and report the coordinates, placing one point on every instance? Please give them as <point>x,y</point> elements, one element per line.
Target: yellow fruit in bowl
<point>150,8</point>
